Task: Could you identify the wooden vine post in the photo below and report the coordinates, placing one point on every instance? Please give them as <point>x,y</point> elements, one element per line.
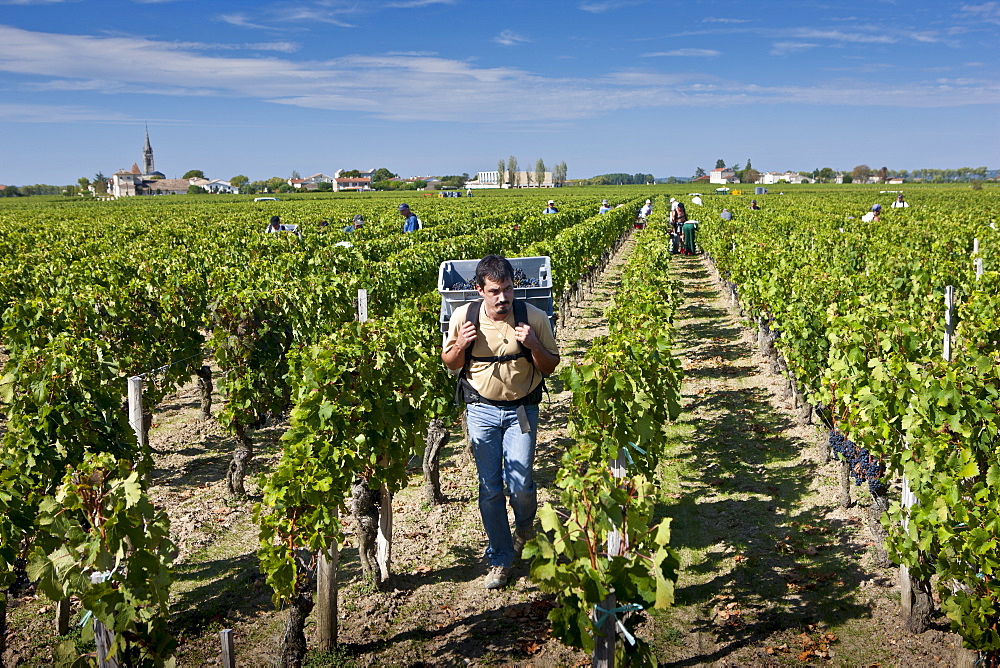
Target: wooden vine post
<point>604,644</point>
<point>327,586</point>
<point>103,638</point>
<point>915,595</point>
<point>135,413</point>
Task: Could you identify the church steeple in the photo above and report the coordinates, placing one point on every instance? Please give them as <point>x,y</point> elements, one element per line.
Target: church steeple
<point>147,156</point>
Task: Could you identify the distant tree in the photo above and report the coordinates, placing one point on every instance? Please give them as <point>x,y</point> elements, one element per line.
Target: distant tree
<point>324,187</point>
<point>540,172</point>
<point>351,173</point>
<point>826,174</point>
<point>196,190</point>
<point>672,180</point>
<point>883,174</point>
<point>84,183</point>
<point>515,178</point>
<point>419,185</point>
<point>275,182</point>
<point>501,171</point>
<point>848,178</point>
<point>720,164</point>
<point>11,191</point>
<point>193,174</point>
<point>295,175</point>
<point>285,188</point>
<point>748,165</point>
<point>239,181</point>
<point>559,174</point>
<point>100,183</point>
<point>860,173</point>
<point>383,174</point>
<point>750,175</point>
<point>699,172</point>
<point>453,181</point>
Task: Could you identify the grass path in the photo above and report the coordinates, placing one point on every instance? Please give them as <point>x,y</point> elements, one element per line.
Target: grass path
<point>774,572</point>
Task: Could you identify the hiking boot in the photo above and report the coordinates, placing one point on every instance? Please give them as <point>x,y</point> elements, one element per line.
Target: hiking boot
<point>497,577</point>
<point>522,536</point>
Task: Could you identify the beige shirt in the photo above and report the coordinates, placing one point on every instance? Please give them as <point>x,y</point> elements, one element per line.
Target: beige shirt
<point>502,381</point>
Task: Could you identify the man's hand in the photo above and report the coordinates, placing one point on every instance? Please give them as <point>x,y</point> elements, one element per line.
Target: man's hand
<point>454,356</point>
<point>524,334</point>
<point>466,335</point>
<point>545,361</point>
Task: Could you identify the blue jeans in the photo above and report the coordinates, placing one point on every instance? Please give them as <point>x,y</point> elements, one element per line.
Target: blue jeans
<point>503,456</point>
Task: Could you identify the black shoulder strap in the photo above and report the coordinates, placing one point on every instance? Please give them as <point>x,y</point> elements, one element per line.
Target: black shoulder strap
<point>520,315</point>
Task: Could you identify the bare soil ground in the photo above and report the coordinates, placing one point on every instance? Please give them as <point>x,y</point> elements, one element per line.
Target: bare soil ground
<point>774,572</point>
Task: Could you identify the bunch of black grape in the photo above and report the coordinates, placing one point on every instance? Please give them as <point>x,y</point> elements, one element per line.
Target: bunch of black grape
<point>862,464</point>
<point>521,280</point>
<point>468,284</point>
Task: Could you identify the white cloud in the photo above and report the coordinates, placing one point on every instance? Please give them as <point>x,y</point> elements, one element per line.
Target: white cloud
<point>601,7</point>
<point>281,47</point>
<point>785,48</point>
<point>416,4</point>
<point>242,21</point>
<point>44,113</point>
<point>988,11</point>
<point>416,86</point>
<point>859,37</point>
<point>713,19</point>
<point>509,38</point>
<point>684,53</point>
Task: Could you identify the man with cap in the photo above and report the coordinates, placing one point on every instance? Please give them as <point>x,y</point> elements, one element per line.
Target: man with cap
<point>646,209</point>
<point>899,203</point>
<point>605,207</point>
<point>551,208</point>
<point>412,223</point>
<point>356,224</point>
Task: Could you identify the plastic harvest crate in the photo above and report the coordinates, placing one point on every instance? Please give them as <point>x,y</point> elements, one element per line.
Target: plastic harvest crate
<point>457,271</point>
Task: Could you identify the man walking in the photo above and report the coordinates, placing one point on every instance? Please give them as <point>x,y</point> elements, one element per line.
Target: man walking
<point>504,349</point>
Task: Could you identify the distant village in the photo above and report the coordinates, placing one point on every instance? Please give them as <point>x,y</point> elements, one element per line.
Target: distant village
<point>146,180</point>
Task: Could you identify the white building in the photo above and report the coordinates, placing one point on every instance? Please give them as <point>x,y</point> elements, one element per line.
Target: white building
<point>220,187</point>
<point>772,178</point>
<point>485,180</point>
<point>722,176</point>
<point>524,179</point>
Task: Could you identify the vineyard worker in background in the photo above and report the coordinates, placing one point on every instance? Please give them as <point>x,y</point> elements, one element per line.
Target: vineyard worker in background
<point>356,224</point>
<point>688,230</point>
<point>754,206</point>
<point>873,216</point>
<point>605,207</point>
<point>646,209</point>
<point>677,219</point>
<point>502,365</point>
<point>899,203</point>
<point>726,214</point>
<point>274,225</point>
<point>551,208</point>
<point>412,223</point>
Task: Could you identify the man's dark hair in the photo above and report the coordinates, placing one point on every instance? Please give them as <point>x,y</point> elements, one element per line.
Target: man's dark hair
<point>497,268</point>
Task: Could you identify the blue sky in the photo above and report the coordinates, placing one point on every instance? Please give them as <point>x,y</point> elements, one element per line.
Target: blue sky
<point>450,86</point>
